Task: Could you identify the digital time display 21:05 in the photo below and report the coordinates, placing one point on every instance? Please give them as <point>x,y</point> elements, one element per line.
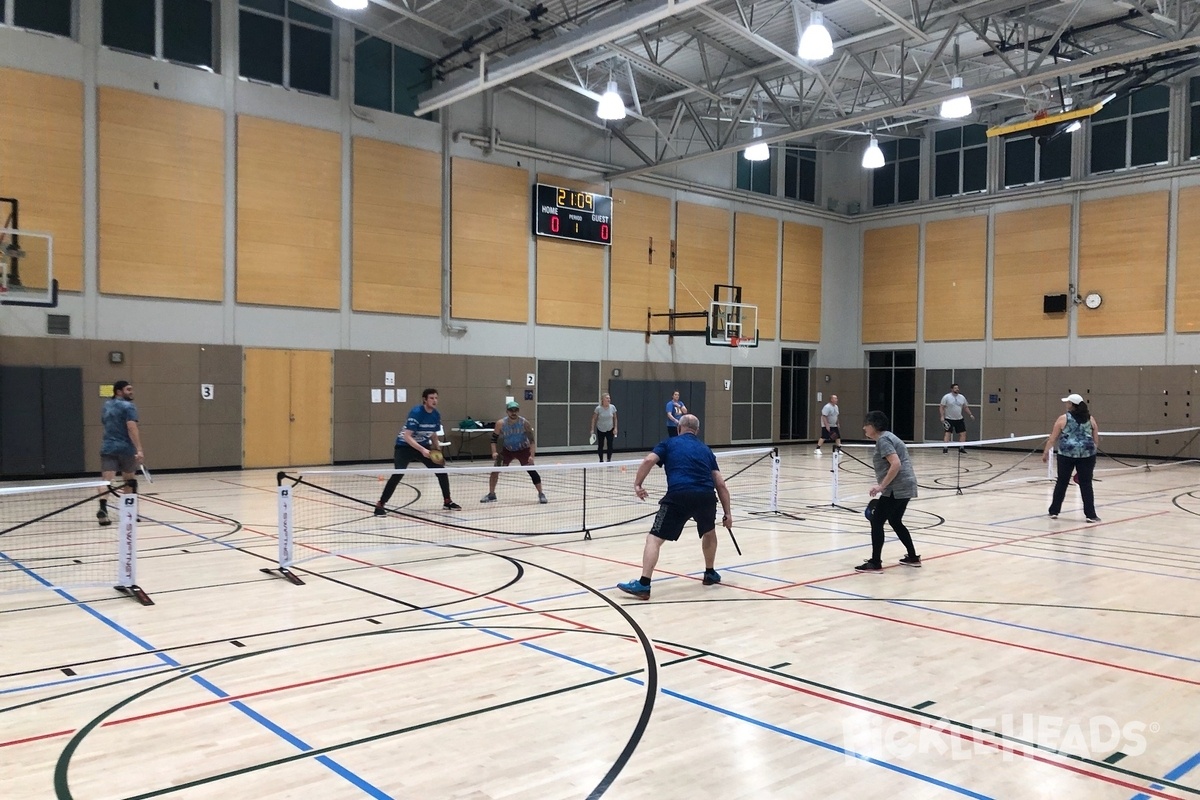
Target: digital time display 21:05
<point>572,214</point>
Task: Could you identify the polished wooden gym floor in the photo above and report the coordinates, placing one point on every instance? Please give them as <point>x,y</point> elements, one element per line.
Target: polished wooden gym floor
<point>1028,658</point>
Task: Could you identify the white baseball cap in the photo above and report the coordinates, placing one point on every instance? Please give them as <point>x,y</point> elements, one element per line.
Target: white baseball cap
<point>1073,398</point>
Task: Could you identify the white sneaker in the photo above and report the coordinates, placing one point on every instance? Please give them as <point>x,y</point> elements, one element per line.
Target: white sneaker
<point>817,452</point>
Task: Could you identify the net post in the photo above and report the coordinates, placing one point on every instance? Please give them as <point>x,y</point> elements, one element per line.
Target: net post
<point>127,551</point>
<point>1051,469</point>
<point>286,531</point>
<point>587,533</point>
<point>774,508</point>
<point>837,459</point>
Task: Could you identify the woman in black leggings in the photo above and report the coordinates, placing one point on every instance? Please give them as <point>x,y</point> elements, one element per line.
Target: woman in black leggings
<point>604,424</point>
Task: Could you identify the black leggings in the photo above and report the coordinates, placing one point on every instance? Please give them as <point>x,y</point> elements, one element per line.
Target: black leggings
<point>889,510</point>
<point>604,439</point>
<point>1085,467</point>
<point>402,457</point>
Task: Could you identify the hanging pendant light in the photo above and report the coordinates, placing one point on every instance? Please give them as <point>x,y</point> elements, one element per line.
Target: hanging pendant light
<point>759,150</point>
<point>815,43</point>
<point>873,157</point>
<point>611,106</point>
<point>956,107</point>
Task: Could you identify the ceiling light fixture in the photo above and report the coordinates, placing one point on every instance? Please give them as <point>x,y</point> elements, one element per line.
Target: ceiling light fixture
<point>958,106</point>
<point>815,43</point>
<point>351,5</point>
<point>873,157</point>
<point>1074,126</point>
<point>610,106</point>
<point>759,150</point>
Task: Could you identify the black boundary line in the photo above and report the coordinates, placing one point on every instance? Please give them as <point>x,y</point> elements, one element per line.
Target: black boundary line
<point>650,669</point>
<point>459,623</point>
<point>1102,765</point>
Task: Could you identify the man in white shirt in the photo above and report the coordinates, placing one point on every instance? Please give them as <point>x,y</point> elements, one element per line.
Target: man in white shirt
<point>829,425</point>
<point>951,410</point>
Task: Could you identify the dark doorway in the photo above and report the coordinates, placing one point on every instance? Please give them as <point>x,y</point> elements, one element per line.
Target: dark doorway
<point>891,388</point>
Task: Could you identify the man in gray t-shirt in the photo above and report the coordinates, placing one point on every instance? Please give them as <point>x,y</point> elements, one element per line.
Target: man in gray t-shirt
<point>951,410</point>
<point>829,425</point>
<point>895,485</point>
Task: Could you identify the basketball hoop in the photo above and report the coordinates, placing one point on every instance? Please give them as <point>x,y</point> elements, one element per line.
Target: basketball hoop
<point>734,341</point>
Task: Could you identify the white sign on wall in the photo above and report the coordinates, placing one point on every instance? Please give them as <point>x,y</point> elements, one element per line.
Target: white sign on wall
<point>389,379</point>
<point>206,391</point>
<point>529,379</point>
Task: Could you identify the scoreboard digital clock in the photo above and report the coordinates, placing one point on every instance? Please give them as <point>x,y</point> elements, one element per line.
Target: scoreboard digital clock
<point>572,214</point>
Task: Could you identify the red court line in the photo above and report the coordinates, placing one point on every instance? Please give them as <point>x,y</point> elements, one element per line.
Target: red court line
<point>286,687</point>
<point>990,640</point>
<point>1035,756</point>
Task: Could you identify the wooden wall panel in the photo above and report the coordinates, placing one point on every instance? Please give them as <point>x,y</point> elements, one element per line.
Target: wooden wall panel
<point>800,308</point>
<point>1123,256</point>
<point>289,213</point>
<point>490,226</point>
<point>701,254</point>
<point>890,284</point>
<point>1031,257</point>
<point>1187,262</point>
<point>756,266</point>
<point>162,197</point>
<point>570,275</point>
<point>397,229</point>
<point>955,279</point>
<point>640,263</point>
<point>41,164</point>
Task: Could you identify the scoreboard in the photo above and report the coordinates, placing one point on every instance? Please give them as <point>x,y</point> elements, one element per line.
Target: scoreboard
<point>572,214</point>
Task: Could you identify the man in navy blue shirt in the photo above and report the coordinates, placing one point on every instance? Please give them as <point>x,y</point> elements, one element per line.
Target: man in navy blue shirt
<point>121,448</point>
<point>416,440</point>
<point>675,410</point>
<point>692,477</point>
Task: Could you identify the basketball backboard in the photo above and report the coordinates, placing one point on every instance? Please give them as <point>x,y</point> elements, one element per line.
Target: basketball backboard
<point>732,324</point>
<point>27,269</point>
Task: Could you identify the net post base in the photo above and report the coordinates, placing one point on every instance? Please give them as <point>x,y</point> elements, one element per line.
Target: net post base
<point>284,573</point>
<point>135,592</point>
<point>787,514</point>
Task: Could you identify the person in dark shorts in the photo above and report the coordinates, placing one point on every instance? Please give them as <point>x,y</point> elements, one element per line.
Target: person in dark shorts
<point>121,448</point>
<point>514,436</point>
<point>692,478</point>
<point>829,425</point>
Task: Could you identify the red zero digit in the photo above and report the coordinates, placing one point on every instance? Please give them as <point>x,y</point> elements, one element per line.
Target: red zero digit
<point>603,232</point>
<point>554,224</point>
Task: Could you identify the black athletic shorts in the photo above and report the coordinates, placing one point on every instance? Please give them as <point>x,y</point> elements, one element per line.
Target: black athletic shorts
<point>831,434</point>
<point>957,425</point>
<point>676,508</point>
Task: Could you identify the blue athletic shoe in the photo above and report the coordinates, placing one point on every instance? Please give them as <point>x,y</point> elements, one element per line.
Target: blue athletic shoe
<point>711,576</point>
<point>635,588</point>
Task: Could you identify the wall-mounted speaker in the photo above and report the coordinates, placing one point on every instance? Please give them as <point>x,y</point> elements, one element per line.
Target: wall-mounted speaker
<point>1054,303</point>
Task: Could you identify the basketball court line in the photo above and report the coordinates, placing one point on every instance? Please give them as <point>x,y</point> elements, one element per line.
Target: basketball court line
<point>253,715</point>
<point>1016,625</point>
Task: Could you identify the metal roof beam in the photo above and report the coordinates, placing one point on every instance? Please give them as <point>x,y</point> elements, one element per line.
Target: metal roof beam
<point>587,36</point>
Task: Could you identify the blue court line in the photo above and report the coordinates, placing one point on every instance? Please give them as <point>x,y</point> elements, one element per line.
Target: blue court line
<point>828,746</point>
<point>1018,626</point>
<point>732,714</point>
<point>254,715</point>
<point>77,679</point>
<point>1174,775</point>
<point>1089,564</point>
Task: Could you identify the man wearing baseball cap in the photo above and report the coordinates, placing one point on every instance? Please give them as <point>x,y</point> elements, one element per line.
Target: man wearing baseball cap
<point>513,438</point>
